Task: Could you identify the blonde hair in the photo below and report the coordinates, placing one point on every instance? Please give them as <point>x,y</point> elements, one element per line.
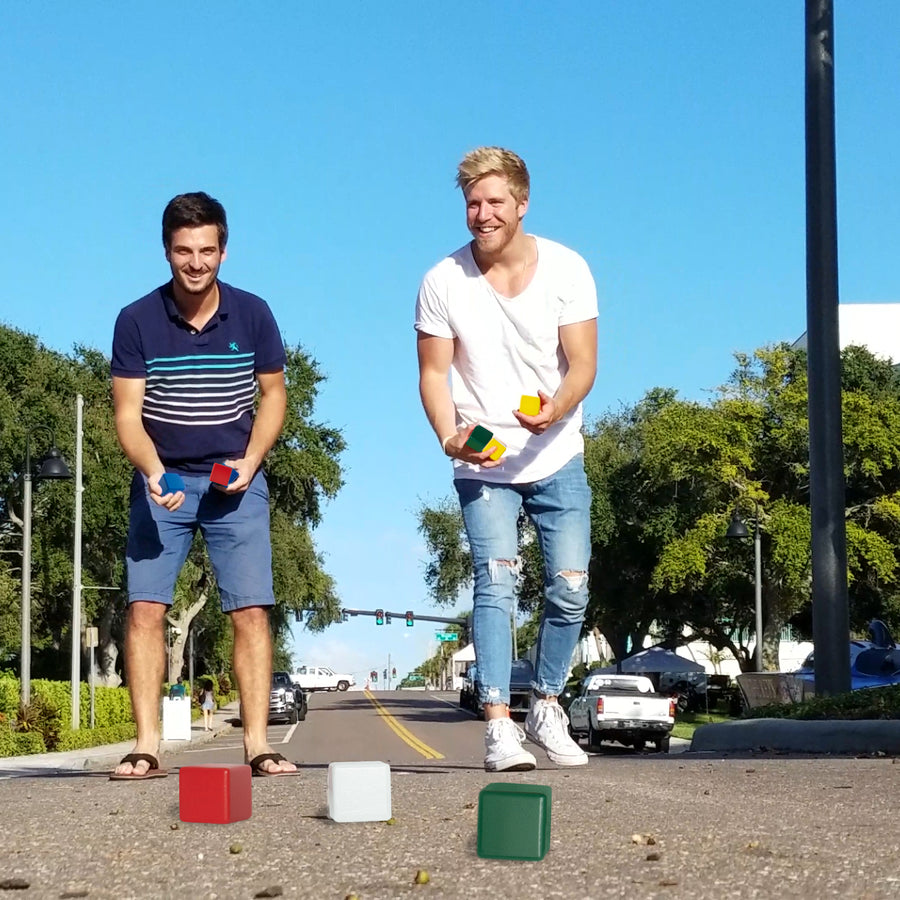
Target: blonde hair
<point>482,161</point>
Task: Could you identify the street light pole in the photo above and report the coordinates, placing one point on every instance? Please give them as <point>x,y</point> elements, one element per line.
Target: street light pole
<point>52,467</point>
<point>25,655</point>
<point>827,492</point>
<point>758,599</point>
<point>76,569</point>
<point>737,529</point>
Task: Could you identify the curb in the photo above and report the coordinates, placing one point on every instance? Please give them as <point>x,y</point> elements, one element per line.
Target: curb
<point>107,754</point>
<point>860,736</point>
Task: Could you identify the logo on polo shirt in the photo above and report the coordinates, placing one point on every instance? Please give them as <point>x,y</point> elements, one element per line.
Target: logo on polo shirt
<point>233,347</point>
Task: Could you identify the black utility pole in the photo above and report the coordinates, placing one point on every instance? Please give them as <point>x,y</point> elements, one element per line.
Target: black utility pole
<point>831,627</point>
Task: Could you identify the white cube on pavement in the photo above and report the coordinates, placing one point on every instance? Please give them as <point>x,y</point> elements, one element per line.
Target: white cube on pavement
<point>359,791</point>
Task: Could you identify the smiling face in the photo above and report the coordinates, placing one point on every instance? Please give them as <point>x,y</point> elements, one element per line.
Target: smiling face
<point>194,256</point>
<point>493,215</point>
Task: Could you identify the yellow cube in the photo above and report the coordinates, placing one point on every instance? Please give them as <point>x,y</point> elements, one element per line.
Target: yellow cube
<point>530,406</point>
<point>498,448</point>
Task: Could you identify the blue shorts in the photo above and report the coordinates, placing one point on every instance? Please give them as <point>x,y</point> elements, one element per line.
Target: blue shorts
<point>234,526</point>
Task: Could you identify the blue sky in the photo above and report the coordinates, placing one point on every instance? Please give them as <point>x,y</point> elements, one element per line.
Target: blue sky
<point>665,143</point>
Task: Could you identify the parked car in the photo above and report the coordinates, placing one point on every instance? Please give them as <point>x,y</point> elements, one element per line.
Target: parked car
<point>873,663</point>
<point>520,677</point>
<point>321,678</point>
<point>622,708</point>
<point>287,701</point>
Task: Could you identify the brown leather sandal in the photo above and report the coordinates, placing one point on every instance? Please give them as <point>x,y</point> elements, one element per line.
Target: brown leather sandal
<point>257,769</point>
<point>134,758</point>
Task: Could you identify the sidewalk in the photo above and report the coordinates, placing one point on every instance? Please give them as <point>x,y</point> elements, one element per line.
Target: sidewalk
<point>108,754</point>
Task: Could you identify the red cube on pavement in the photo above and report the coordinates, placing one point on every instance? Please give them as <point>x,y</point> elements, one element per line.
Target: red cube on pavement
<point>216,794</point>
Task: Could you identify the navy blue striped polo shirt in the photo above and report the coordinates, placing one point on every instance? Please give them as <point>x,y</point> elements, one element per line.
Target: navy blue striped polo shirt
<point>200,387</point>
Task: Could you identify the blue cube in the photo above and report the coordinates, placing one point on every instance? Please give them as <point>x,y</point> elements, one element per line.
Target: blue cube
<point>171,482</point>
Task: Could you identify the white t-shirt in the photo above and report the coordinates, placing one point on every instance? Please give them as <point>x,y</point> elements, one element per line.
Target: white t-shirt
<point>505,348</point>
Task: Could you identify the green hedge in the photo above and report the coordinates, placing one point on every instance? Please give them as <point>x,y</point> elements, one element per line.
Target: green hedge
<point>9,697</point>
<point>112,706</point>
<point>20,743</point>
<point>222,699</point>
<point>872,703</point>
<point>86,737</point>
<point>44,726</point>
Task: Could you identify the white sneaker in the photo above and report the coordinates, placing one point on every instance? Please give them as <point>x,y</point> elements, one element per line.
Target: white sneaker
<point>503,741</point>
<point>547,725</point>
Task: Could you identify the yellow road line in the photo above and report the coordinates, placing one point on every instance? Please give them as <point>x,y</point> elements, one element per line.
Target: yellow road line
<point>402,732</point>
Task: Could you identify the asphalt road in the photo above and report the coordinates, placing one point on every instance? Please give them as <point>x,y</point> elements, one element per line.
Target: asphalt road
<point>398,727</point>
<point>627,825</point>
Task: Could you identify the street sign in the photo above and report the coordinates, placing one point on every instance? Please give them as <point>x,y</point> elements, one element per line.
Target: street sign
<point>446,636</point>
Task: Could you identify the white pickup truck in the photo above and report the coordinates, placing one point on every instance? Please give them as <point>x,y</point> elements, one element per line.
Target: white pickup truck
<point>321,678</point>
<point>622,708</point>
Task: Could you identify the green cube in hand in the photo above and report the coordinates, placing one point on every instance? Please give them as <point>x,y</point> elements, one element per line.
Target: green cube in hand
<point>479,438</point>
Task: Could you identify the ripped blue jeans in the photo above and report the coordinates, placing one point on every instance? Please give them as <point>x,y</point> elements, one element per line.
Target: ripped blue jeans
<point>559,506</point>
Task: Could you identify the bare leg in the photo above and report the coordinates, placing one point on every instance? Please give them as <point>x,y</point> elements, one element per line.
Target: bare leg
<point>145,660</point>
<point>253,668</point>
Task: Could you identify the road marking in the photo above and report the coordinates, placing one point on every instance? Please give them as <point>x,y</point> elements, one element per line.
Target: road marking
<point>452,703</point>
<point>218,745</point>
<point>402,732</point>
<point>290,733</point>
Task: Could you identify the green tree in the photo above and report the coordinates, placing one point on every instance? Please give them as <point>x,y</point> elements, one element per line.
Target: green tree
<point>749,448</point>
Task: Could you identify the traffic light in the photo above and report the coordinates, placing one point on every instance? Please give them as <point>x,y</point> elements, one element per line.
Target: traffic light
<point>385,674</point>
<point>379,617</point>
<point>374,676</point>
<point>387,618</point>
<point>345,617</point>
<point>409,618</point>
<point>394,672</point>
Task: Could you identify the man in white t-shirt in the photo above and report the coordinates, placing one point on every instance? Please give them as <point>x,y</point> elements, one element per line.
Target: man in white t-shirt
<point>511,314</point>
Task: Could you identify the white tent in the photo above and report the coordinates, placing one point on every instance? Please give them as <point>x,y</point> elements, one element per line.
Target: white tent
<point>659,659</point>
<point>665,667</point>
<point>655,659</point>
<point>457,665</point>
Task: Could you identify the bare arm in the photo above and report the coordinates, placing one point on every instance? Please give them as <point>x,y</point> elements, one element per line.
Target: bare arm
<point>579,344</point>
<point>267,427</point>
<point>128,401</point>
<point>435,357</point>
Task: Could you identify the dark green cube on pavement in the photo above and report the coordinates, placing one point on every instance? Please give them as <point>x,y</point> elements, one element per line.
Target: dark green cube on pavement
<point>514,821</point>
<point>479,438</point>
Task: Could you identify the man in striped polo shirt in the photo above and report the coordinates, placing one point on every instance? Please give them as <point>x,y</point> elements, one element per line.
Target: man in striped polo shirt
<point>187,362</point>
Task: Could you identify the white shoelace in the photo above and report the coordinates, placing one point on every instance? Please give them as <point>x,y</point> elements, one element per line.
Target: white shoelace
<point>545,724</point>
<point>504,728</point>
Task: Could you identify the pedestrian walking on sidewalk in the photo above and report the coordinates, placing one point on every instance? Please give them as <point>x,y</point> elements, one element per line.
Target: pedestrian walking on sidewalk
<point>207,705</point>
<point>189,361</point>
<point>513,314</point>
